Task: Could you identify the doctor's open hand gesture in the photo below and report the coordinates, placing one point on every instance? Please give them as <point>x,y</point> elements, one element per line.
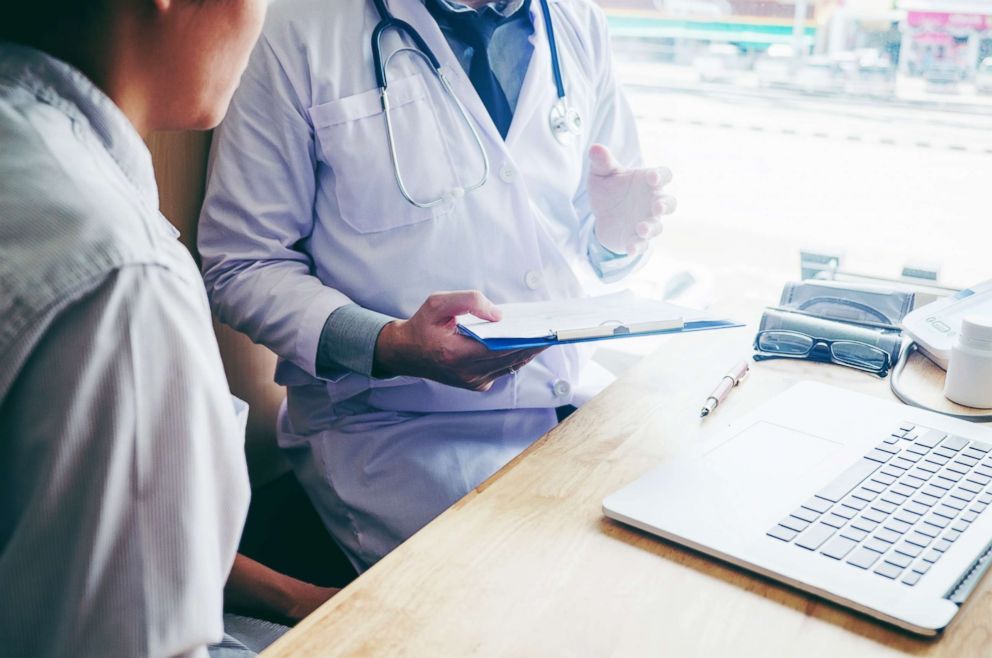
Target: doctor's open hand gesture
<point>628,204</point>
<point>429,345</point>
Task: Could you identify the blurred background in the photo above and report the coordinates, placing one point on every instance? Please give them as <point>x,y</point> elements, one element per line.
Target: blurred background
<point>859,130</point>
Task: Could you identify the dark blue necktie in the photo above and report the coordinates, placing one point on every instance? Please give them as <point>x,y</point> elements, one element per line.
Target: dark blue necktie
<point>475,29</point>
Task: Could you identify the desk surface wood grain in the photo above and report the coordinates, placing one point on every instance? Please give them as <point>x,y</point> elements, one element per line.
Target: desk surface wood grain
<point>527,565</point>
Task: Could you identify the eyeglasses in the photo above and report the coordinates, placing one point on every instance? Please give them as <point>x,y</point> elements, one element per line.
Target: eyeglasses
<point>784,344</point>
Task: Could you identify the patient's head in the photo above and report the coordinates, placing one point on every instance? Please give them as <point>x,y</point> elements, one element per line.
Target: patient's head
<point>169,64</point>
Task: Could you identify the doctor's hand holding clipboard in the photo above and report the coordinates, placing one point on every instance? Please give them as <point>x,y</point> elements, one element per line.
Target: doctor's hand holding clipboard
<point>429,345</point>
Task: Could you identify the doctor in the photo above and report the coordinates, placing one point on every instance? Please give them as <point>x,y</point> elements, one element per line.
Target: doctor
<point>506,171</point>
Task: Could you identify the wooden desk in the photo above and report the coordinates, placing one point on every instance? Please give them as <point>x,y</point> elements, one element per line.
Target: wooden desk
<point>528,566</point>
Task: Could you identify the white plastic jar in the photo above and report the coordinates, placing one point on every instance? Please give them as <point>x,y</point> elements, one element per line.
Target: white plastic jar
<point>969,371</point>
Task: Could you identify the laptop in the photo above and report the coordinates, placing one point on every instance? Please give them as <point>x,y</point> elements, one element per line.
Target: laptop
<point>873,505</point>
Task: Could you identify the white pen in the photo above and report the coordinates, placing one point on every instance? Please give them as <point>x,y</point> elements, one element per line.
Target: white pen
<point>719,394</point>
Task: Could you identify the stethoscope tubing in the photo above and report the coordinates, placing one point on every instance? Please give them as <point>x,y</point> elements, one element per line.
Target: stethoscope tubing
<point>388,21</point>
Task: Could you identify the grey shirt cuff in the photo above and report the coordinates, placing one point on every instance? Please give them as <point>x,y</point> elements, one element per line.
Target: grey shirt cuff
<point>347,341</point>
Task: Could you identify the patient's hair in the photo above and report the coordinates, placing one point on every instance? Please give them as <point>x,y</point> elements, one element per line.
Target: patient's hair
<point>34,22</point>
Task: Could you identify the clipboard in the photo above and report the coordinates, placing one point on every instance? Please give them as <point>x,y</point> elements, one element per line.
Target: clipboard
<point>564,322</point>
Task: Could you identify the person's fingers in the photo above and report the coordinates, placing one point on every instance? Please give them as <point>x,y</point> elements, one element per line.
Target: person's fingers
<point>602,162</point>
<point>649,229</point>
<point>659,177</point>
<point>443,306</point>
<point>636,246</point>
<point>668,204</point>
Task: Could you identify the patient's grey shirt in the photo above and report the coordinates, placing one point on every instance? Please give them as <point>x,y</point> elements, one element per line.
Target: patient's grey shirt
<point>123,487</point>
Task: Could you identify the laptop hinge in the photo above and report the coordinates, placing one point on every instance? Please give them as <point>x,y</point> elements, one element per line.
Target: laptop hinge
<point>971,577</point>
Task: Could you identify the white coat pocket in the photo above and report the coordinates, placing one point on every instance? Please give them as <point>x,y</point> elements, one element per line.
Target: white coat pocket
<point>351,136</point>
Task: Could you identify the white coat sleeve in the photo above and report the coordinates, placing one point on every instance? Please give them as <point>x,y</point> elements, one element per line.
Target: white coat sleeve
<point>258,209</point>
<point>124,446</point>
<point>613,125</point>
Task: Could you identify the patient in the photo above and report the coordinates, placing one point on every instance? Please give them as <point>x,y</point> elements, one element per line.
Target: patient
<point>123,486</point>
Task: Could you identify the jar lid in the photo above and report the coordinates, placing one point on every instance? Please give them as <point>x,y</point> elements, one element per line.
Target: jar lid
<point>977,327</point>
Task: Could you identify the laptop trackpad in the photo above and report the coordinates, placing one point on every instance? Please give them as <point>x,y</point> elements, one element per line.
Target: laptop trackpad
<point>768,452</point>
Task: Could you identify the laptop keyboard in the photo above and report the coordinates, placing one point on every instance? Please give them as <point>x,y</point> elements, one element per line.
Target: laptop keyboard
<point>897,510</point>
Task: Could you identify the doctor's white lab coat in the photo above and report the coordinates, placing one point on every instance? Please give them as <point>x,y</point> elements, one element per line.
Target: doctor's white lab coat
<point>303,215</point>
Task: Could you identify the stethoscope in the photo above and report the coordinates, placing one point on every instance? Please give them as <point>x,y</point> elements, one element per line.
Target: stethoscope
<point>564,121</point>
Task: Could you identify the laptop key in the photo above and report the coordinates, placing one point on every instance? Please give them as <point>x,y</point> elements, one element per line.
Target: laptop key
<point>931,490</point>
<point>937,520</point>
<point>906,516</point>
<point>960,469</point>
<point>978,508</point>
<point>863,558</point>
<point>902,489</point>
<point>945,511</point>
<point>921,567</point>
<point>966,460</point>
<point>949,474</point>
<point>866,494</point>
<point>838,547</point>
<point>944,452</point>
<point>980,446</point>
<point>928,466</point>
<point>932,555</point>
<point>928,530</point>
<point>879,456</point>
<point>848,480</point>
<point>883,506</point>
<point>856,534</point>
<point>783,533</point>
<point>954,442</point>
<point>898,559</point>
<point>919,539</point>
<point>916,508</point>
<point>855,503</point>
<point>912,550</point>
<point>970,487</point>
<point>887,535</point>
<point>792,523</point>
<point>912,481</point>
<point>918,449</point>
<point>874,515</point>
<point>905,460</point>
<point>834,521</point>
<point>894,498</point>
<point>845,511</point>
<point>871,486</point>
<point>960,525</point>
<point>877,545</point>
<point>952,535</point>
<point>886,477</point>
<point>897,526</point>
<point>806,514</point>
<point>942,545</point>
<point>864,524</point>
<point>931,438</point>
<point>813,538</point>
<point>820,505</point>
<point>925,499</point>
<point>885,447</point>
<point>963,494</point>
<point>969,516</point>
<point>985,498</point>
<point>956,503</point>
<point>888,570</point>
<point>912,578</point>
<point>979,479</point>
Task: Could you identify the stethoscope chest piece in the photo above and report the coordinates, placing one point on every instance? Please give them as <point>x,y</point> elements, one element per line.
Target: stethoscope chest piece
<point>566,122</point>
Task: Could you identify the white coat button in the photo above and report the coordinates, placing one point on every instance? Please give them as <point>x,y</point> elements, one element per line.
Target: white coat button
<point>561,388</point>
<point>507,174</point>
<point>533,279</point>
